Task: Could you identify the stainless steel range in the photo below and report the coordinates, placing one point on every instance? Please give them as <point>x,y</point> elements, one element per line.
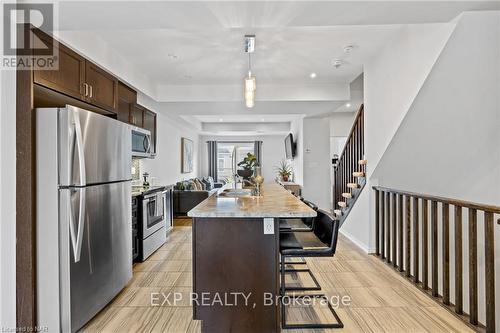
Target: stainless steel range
<point>155,218</point>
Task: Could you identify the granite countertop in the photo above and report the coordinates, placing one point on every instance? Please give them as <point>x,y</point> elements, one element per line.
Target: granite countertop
<point>274,202</point>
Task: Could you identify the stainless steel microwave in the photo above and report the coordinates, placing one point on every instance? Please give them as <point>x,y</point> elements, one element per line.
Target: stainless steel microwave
<point>141,143</point>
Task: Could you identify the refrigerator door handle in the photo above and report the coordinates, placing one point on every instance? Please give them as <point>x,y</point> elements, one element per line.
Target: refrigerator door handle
<point>77,238</point>
<point>80,148</point>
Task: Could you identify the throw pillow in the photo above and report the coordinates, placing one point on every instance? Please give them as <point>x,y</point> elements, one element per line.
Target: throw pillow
<point>205,182</point>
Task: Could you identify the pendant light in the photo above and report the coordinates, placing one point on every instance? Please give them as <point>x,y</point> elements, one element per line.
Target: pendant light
<point>249,81</point>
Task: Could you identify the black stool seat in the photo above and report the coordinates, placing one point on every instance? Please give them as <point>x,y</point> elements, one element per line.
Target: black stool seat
<point>299,241</point>
<point>295,224</point>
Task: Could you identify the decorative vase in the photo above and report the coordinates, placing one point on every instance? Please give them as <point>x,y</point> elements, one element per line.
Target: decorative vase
<point>285,178</point>
<point>258,180</point>
<point>245,173</point>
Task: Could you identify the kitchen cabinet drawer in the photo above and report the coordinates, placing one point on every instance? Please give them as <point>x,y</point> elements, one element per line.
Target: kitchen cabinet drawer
<point>102,87</point>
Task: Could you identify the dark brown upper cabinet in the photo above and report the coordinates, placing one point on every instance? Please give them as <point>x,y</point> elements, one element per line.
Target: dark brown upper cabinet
<point>149,123</point>
<point>78,77</point>
<point>70,76</point>
<point>101,87</point>
<point>81,79</point>
<point>136,114</point>
<point>126,97</point>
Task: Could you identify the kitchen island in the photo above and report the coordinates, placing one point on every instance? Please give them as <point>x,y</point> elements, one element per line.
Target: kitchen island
<point>236,258</point>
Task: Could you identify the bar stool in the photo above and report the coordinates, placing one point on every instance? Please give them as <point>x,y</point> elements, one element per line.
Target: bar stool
<point>320,242</point>
<point>298,224</point>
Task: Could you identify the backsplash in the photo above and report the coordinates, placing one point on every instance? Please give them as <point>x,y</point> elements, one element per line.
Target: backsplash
<point>136,171</point>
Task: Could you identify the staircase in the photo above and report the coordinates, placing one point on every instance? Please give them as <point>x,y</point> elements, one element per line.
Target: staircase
<point>350,170</point>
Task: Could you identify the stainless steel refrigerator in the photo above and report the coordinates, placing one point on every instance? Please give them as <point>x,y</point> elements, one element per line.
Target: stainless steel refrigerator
<point>84,231</point>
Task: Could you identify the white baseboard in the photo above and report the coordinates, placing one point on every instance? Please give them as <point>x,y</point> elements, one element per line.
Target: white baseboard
<point>357,242</point>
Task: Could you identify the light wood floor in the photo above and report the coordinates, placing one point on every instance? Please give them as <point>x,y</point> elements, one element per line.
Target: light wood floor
<point>381,300</point>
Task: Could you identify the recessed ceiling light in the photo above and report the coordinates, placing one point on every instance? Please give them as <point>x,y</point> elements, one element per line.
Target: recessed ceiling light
<point>348,105</point>
<point>337,63</point>
<point>348,48</point>
<point>221,120</point>
<point>262,119</point>
<point>312,75</point>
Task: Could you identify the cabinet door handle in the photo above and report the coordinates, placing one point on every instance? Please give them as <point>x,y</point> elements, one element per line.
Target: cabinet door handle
<point>91,92</point>
<point>86,86</point>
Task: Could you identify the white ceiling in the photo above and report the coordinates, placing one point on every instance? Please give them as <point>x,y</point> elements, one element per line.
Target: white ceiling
<point>215,56</point>
<point>190,53</point>
<point>133,15</point>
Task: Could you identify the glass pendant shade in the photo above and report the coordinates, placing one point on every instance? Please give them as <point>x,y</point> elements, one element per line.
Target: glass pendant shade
<point>250,88</point>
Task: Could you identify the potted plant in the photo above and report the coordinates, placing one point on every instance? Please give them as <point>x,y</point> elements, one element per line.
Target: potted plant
<point>284,170</point>
<point>247,166</point>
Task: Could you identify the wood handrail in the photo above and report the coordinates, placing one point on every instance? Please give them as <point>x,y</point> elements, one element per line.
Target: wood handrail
<point>409,205</point>
<point>353,127</point>
<point>455,202</point>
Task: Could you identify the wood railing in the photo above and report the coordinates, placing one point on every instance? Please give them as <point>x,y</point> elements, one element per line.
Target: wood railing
<point>405,229</point>
<point>347,163</point>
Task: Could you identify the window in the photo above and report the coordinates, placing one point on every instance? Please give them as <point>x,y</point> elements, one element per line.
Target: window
<point>229,154</point>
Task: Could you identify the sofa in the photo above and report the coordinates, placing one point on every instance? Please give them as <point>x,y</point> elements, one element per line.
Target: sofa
<point>189,193</point>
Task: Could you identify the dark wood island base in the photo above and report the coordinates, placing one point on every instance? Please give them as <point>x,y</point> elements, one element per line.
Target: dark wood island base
<point>235,275</point>
<point>236,258</point>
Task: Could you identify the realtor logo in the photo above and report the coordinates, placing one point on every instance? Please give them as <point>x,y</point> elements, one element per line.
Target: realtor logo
<point>22,47</point>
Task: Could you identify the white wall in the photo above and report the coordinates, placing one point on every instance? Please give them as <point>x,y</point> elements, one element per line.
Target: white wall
<point>317,162</point>
<point>448,142</point>
<point>166,166</point>
<point>447,145</point>
<point>7,199</point>
<point>273,151</point>
<point>392,80</point>
<point>341,123</point>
